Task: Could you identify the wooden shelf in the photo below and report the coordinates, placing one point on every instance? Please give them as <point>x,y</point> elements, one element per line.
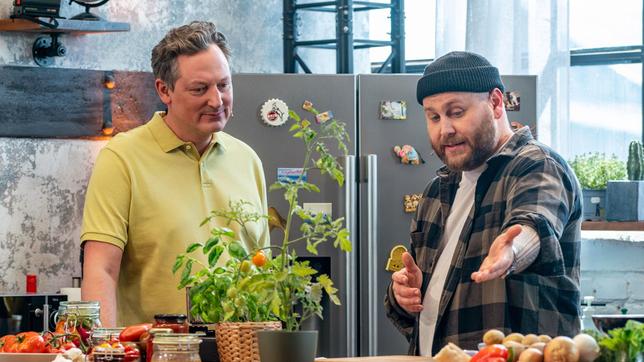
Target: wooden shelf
<point>613,225</point>
<point>64,26</point>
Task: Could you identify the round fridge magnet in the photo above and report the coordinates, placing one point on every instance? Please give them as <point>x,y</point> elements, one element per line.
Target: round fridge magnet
<point>274,112</point>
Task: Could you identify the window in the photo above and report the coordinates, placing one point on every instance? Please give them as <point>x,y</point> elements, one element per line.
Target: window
<point>420,31</point>
<point>605,76</point>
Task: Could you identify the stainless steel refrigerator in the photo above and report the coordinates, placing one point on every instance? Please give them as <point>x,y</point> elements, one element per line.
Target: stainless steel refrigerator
<point>371,200</point>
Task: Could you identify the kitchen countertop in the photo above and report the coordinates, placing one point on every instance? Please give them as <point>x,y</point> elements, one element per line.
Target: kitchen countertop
<point>377,359</point>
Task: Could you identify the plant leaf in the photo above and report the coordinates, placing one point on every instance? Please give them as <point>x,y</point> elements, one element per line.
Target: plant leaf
<point>302,270</point>
<point>237,251</point>
<point>185,275</point>
<point>210,244</point>
<point>213,257</point>
<point>193,247</point>
<point>178,262</point>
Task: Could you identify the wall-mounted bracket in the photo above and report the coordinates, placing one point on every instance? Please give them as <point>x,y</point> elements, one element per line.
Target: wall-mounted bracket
<point>46,47</point>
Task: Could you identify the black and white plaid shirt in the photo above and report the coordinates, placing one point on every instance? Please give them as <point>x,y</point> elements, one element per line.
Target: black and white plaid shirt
<point>525,183</point>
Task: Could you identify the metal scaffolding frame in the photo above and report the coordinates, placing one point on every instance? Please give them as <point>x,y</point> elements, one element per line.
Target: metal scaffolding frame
<point>344,42</point>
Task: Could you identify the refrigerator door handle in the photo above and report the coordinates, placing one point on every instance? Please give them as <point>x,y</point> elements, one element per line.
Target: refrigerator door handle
<point>372,250</point>
<point>351,259</point>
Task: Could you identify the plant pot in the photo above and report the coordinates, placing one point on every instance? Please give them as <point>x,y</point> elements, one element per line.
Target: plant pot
<point>237,342</point>
<point>625,201</point>
<point>280,346</point>
<point>594,204</point>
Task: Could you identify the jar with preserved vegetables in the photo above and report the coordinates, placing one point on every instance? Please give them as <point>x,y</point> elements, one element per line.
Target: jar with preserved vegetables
<point>177,322</point>
<point>150,337</point>
<point>175,347</point>
<point>78,319</point>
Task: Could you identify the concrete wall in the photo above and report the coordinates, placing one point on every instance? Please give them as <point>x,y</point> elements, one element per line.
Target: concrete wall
<point>613,272</point>
<point>43,181</point>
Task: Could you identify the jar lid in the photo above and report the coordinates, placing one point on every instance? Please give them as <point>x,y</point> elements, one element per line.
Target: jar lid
<point>106,332</point>
<point>176,338</point>
<point>170,316</point>
<point>160,330</point>
<point>84,308</point>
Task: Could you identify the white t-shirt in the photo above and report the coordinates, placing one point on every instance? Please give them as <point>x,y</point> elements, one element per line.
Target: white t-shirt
<point>463,203</point>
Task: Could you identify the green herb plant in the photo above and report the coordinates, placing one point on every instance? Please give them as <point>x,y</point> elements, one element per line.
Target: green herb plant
<point>594,170</point>
<point>621,344</point>
<point>253,285</point>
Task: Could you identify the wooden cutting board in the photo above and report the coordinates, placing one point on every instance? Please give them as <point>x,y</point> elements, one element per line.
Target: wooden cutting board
<point>377,359</point>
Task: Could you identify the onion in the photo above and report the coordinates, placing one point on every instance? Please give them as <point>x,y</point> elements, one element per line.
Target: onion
<point>493,336</point>
<point>561,349</point>
<point>516,348</point>
<point>530,339</point>
<point>539,345</point>
<point>516,337</point>
<point>531,355</point>
<point>587,346</point>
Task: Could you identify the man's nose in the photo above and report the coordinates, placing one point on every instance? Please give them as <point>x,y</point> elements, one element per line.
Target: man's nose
<point>214,98</point>
<point>447,128</point>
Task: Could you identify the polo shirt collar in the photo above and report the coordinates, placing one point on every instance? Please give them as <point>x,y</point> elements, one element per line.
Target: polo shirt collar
<point>169,141</point>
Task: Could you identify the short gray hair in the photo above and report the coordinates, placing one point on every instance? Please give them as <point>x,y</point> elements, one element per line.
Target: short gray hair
<point>185,40</point>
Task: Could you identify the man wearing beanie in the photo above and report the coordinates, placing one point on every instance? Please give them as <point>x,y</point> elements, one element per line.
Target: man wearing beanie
<point>496,238</point>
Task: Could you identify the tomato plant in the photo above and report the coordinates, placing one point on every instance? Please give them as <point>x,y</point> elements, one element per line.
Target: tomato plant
<point>272,288</point>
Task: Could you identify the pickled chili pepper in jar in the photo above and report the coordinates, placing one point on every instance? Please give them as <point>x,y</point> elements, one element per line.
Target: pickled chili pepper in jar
<point>78,319</point>
<point>177,322</point>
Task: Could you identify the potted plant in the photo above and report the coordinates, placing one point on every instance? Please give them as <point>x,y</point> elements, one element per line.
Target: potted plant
<point>625,198</point>
<point>270,284</point>
<point>593,171</point>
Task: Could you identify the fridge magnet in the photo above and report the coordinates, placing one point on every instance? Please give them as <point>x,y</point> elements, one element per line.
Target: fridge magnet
<point>411,202</point>
<point>512,101</point>
<point>323,117</point>
<point>275,220</point>
<point>395,263</point>
<point>393,110</point>
<point>308,106</point>
<point>290,174</point>
<point>274,112</point>
<point>408,155</point>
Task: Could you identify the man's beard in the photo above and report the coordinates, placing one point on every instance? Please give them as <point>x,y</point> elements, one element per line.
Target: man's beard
<point>481,147</point>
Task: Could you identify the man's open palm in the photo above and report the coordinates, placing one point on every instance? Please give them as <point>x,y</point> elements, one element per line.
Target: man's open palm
<point>500,257</point>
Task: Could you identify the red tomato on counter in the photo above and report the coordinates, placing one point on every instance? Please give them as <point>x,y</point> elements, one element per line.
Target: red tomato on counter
<point>30,342</point>
<point>8,343</point>
<point>493,353</point>
<point>133,333</point>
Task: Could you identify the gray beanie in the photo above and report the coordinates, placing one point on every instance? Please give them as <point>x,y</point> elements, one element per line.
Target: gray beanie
<point>458,72</point>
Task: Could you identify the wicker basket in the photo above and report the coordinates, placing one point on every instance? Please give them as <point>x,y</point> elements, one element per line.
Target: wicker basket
<point>237,342</point>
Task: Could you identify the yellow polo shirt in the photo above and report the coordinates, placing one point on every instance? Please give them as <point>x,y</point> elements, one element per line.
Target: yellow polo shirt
<point>149,192</point>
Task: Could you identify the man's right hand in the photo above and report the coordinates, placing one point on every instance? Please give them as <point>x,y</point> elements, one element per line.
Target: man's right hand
<point>406,285</point>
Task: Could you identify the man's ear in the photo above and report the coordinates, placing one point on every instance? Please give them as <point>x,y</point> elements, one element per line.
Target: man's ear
<point>163,91</point>
<point>496,100</point>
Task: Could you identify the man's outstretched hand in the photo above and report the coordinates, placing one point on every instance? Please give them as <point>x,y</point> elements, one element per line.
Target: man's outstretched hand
<point>500,257</point>
<point>406,285</point>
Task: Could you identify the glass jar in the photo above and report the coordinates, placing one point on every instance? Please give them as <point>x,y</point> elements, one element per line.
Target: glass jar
<point>177,322</point>
<point>78,317</point>
<point>150,337</point>
<point>102,354</point>
<point>104,335</point>
<point>182,347</point>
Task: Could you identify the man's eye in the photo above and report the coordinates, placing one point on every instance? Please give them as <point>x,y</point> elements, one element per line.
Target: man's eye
<point>199,90</point>
<point>224,86</point>
<point>456,113</point>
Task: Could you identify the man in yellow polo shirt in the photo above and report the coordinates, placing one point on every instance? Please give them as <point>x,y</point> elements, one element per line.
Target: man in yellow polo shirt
<point>152,186</point>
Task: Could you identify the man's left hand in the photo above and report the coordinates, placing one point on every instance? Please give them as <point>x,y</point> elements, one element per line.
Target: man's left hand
<point>500,257</point>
